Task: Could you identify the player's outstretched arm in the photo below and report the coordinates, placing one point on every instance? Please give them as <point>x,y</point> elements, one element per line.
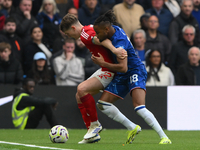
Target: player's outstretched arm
<point>121,66</point>
<point>119,52</point>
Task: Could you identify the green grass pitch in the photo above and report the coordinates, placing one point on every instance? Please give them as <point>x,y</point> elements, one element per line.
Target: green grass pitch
<point>110,140</point>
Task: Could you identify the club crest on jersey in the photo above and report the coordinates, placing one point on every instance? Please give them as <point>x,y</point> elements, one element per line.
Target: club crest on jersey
<point>106,75</point>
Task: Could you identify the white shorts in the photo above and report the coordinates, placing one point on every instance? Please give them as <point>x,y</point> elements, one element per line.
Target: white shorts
<point>105,77</point>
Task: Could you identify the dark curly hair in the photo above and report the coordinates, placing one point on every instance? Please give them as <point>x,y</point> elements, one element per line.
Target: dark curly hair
<point>107,18</point>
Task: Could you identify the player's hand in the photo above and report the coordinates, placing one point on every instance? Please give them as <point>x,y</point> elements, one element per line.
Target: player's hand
<point>121,53</point>
<point>98,60</point>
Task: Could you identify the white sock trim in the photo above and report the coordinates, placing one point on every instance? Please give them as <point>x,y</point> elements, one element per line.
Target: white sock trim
<point>139,107</point>
<point>104,103</point>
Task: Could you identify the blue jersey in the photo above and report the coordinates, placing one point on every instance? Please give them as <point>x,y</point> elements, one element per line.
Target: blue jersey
<point>136,75</point>
<point>120,39</point>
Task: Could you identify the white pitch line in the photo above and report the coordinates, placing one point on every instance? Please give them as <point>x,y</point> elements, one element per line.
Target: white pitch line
<point>29,145</point>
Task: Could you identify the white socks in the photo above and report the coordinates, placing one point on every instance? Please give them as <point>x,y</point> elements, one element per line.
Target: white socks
<point>113,112</point>
<point>150,120</point>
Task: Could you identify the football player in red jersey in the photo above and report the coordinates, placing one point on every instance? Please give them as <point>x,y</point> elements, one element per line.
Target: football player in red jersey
<point>71,27</point>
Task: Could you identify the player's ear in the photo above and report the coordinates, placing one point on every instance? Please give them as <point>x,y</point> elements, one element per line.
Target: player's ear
<point>73,27</point>
<point>107,29</point>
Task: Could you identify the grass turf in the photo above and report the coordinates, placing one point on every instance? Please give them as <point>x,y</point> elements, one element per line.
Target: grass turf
<point>110,140</point>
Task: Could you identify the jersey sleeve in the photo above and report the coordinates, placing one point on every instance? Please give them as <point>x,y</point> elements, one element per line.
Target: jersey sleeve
<point>86,37</point>
<point>121,43</point>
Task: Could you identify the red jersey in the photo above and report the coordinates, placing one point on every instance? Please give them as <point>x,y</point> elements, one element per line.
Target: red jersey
<point>87,34</point>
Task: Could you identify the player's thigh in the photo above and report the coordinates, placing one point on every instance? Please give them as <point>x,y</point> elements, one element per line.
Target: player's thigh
<point>91,86</point>
<point>138,97</point>
<point>118,88</point>
<point>98,81</point>
<point>105,77</point>
<point>137,86</point>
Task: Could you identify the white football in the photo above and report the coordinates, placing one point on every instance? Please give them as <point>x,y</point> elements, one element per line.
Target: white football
<point>58,134</point>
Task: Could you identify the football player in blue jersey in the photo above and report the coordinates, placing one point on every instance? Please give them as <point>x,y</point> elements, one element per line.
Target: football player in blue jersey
<point>130,77</point>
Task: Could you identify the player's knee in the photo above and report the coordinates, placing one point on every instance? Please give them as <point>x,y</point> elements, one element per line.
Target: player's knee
<point>99,105</point>
<point>78,98</point>
<point>80,90</point>
<point>102,105</point>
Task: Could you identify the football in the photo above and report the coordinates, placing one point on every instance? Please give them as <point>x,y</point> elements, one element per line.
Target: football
<point>58,134</point>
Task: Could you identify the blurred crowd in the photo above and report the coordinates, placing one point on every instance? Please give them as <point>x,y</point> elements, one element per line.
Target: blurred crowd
<point>164,33</point>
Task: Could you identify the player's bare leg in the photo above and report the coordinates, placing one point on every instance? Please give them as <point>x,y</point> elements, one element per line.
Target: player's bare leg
<point>138,98</point>
<point>87,106</point>
<point>90,86</point>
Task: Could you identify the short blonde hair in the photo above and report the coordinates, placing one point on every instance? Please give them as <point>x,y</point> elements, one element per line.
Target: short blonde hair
<point>56,10</point>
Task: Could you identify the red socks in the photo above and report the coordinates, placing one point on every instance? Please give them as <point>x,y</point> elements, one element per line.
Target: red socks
<point>90,106</point>
<point>85,116</point>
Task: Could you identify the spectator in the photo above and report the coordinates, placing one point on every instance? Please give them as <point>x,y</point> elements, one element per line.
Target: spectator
<point>40,71</point>
<point>89,12</point>
<point>33,47</point>
<point>189,73</point>
<point>49,20</point>
<point>10,68</point>
<point>139,39</point>
<point>146,4</point>
<point>73,11</point>
<point>15,3</point>
<point>59,41</point>
<point>28,110</point>
<point>36,4</point>
<point>85,56</point>
<point>179,52</point>
<point>196,10</point>
<point>58,47</point>
<point>36,7</point>
<point>128,15</point>
<point>15,41</point>
<point>1,3</point>
<point>173,7</point>
<point>157,73</point>
<point>179,1</point>
<point>184,18</point>
<point>144,21</point>
<point>2,20</point>
<point>24,20</point>
<point>106,5</point>
<point>156,40</point>
<point>68,68</point>
<point>164,15</point>
<point>7,8</point>
<point>76,4</point>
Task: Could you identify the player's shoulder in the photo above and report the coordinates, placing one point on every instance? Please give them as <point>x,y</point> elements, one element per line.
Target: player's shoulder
<point>88,28</point>
<point>87,32</point>
<point>119,33</point>
<point>119,30</point>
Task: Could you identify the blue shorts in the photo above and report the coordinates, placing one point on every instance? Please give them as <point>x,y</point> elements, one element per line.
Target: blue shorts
<point>124,83</point>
